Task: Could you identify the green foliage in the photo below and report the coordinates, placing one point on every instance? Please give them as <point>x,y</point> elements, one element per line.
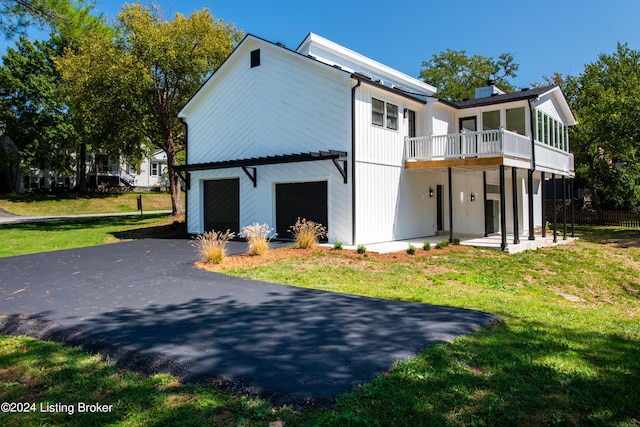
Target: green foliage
<point>362,249</point>
<point>411,250</point>
<point>455,241</point>
<point>442,244</point>
<point>65,17</point>
<point>32,109</point>
<point>141,78</point>
<point>605,99</point>
<point>426,245</point>
<point>337,245</point>
<point>456,75</point>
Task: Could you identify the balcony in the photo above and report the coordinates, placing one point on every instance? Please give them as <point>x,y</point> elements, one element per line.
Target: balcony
<point>484,148</point>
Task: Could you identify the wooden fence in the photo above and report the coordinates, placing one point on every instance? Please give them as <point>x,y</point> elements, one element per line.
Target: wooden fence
<point>617,218</point>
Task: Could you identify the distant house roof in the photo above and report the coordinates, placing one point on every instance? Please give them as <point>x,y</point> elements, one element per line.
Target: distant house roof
<point>499,99</point>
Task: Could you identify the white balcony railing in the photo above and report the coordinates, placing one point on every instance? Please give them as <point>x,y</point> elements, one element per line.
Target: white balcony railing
<point>491,143</point>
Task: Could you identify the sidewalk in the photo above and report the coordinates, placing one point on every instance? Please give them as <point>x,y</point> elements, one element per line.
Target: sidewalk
<point>9,218</point>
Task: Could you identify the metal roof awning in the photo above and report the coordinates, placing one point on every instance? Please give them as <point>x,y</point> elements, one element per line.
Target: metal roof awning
<point>252,162</point>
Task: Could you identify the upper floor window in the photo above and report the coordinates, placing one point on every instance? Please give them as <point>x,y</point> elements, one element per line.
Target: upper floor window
<point>491,120</point>
<point>377,112</point>
<point>155,169</point>
<point>382,112</point>
<point>516,120</point>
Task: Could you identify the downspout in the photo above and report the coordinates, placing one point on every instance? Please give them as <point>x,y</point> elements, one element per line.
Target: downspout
<point>353,160</point>
<point>531,172</point>
<point>187,181</point>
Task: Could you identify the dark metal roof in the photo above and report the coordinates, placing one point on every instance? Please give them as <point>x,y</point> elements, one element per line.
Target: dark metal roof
<point>499,99</point>
<point>266,160</point>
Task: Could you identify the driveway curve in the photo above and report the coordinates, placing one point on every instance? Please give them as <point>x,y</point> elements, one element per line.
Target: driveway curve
<point>143,304</point>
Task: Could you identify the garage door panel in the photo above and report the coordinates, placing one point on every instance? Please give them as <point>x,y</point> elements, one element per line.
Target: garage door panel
<point>222,205</point>
<point>300,200</point>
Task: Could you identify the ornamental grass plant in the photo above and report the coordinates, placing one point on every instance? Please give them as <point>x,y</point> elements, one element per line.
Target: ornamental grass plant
<point>307,233</point>
<point>212,245</point>
<point>257,236</point>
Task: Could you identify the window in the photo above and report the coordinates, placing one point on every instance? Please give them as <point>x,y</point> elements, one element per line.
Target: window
<point>381,110</point>
<point>392,116</point>
<point>155,169</point>
<point>491,120</point>
<point>255,58</point>
<point>377,112</point>
<point>516,120</point>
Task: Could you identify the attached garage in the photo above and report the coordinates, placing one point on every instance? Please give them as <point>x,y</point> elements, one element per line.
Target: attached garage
<point>300,200</point>
<point>222,205</point>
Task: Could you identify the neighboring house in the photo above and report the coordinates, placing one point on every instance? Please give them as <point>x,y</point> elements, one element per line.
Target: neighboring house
<point>103,172</point>
<point>327,134</point>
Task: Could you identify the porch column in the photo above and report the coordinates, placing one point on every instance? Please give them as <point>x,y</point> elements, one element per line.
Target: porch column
<point>544,205</point>
<point>503,211</point>
<point>450,208</point>
<point>530,189</point>
<point>484,198</point>
<point>553,213</point>
<point>573,208</point>
<point>564,208</point>
<point>514,188</point>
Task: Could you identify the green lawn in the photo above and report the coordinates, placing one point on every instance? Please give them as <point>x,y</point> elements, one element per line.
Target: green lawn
<point>25,238</point>
<point>567,353</point>
<point>49,204</point>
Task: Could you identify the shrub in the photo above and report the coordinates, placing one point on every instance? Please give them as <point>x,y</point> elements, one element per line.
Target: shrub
<point>442,244</point>
<point>211,245</point>
<point>337,245</point>
<point>257,236</point>
<point>411,250</point>
<point>426,245</point>
<point>456,241</point>
<point>362,249</point>
<point>307,233</point>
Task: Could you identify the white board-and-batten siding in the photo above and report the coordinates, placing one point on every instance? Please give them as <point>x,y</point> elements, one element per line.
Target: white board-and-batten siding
<point>287,104</point>
<point>390,201</point>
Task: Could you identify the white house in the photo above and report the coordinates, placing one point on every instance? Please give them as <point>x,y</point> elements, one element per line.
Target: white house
<point>324,133</point>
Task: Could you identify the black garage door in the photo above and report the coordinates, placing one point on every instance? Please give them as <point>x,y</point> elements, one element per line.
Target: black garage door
<point>300,200</point>
<point>222,205</point>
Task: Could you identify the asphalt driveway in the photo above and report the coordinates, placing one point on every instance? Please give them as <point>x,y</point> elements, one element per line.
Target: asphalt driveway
<point>143,304</point>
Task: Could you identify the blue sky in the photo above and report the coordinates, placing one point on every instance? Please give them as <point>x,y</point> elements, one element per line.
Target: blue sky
<point>544,36</point>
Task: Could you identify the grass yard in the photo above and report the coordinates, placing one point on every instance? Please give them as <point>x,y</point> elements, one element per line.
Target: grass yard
<point>50,204</point>
<point>567,353</point>
<point>26,238</point>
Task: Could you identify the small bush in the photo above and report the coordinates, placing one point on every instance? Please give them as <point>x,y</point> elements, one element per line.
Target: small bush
<point>442,244</point>
<point>456,241</point>
<point>257,236</point>
<point>211,245</point>
<point>426,245</point>
<point>362,249</point>
<point>307,233</point>
<point>337,245</point>
<point>411,250</point>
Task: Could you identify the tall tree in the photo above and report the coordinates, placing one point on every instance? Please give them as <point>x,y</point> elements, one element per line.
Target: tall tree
<point>456,75</point>
<point>147,73</point>
<point>65,17</point>
<point>605,99</point>
<point>32,111</point>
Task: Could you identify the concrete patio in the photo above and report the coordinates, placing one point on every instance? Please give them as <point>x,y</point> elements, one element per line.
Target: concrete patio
<point>491,242</point>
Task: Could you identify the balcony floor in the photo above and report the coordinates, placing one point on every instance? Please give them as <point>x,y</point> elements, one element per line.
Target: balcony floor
<point>467,162</point>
